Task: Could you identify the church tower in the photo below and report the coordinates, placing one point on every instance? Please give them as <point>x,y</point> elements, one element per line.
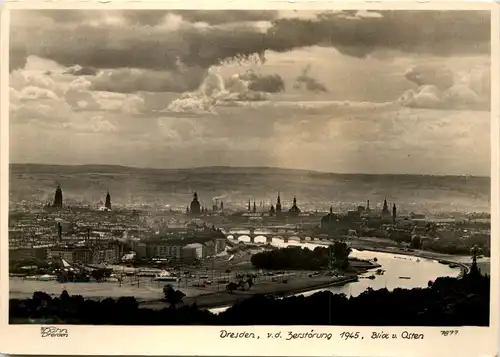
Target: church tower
<point>295,210</point>
<point>278,204</point>
<point>394,213</point>
<point>272,211</point>
<point>254,207</point>
<point>108,201</point>
<point>385,209</point>
<point>58,198</point>
<point>195,207</point>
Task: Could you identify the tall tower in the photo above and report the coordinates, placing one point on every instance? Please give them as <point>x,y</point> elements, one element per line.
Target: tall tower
<point>249,207</point>
<point>195,207</point>
<point>278,204</point>
<point>385,209</point>
<point>58,198</point>
<point>108,201</point>
<point>295,210</point>
<point>394,213</point>
<point>59,232</point>
<point>254,207</point>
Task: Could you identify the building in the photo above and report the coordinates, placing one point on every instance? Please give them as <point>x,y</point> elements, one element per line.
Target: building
<point>86,254</point>
<point>108,201</point>
<point>195,207</point>
<point>58,198</point>
<point>294,210</point>
<point>141,251</point>
<point>161,249</point>
<point>385,209</point>
<point>220,245</point>
<point>109,254</point>
<point>278,205</point>
<point>272,211</point>
<point>194,251</point>
<point>17,254</point>
<point>65,253</point>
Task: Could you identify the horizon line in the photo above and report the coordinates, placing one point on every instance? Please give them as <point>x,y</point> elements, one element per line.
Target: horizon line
<point>249,167</point>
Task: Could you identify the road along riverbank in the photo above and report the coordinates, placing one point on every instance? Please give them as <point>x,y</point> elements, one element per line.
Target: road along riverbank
<point>225,298</point>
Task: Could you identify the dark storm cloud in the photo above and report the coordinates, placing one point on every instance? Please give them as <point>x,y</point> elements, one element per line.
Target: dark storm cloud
<point>163,46</point>
<point>216,17</point>
<point>126,80</point>
<point>429,32</point>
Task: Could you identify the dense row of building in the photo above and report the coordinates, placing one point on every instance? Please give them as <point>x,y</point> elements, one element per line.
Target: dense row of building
<point>107,236</point>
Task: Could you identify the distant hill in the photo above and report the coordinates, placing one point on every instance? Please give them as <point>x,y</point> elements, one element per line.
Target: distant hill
<point>236,185</point>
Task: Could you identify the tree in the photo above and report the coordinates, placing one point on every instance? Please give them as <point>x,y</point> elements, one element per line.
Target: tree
<point>172,296</point>
<point>416,242</point>
<point>231,287</point>
<point>250,282</point>
<point>340,252</point>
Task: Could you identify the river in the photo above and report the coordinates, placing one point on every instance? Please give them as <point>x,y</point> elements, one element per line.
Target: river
<point>419,270</point>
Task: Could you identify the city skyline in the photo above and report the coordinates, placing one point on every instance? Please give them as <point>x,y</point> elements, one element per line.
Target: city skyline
<point>255,96</point>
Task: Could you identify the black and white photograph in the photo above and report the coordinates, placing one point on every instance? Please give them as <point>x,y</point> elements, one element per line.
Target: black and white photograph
<point>250,168</point>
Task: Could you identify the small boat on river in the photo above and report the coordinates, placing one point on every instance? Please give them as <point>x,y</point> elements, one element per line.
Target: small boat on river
<point>404,277</point>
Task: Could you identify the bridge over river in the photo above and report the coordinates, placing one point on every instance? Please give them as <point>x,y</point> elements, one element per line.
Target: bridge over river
<point>268,233</point>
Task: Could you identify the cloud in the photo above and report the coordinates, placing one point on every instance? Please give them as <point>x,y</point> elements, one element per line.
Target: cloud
<point>440,33</point>
<point>111,40</point>
<point>156,17</point>
<point>215,91</point>
<point>36,93</point>
<point>440,76</point>
<point>440,88</point>
<point>130,80</point>
<point>251,81</point>
<point>308,82</point>
<point>80,97</point>
<point>96,124</point>
<point>215,17</point>
<point>77,70</point>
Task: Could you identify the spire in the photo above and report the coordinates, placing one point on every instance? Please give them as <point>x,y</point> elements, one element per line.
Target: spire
<point>249,206</point>
<point>294,201</point>
<point>278,203</point>
<point>254,207</point>
<point>195,196</point>
<point>385,209</point>
<point>58,198</point>
<point>108,201</point>
<point>331,209</point>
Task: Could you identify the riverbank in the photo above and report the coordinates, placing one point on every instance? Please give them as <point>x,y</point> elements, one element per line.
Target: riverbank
<point>225,298</point>
<point>388,246</point>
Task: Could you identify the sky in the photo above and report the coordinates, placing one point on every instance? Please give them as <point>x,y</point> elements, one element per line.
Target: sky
<point>336,91</point>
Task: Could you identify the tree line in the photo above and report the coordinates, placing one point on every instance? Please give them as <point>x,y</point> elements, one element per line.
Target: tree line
<point>332,256</point>
<point>445,302</point>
